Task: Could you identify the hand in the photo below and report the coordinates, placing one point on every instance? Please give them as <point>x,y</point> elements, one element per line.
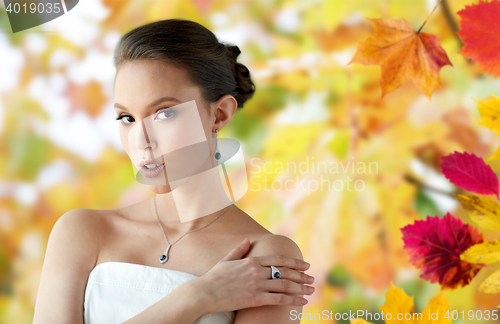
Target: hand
<point>235,283</point>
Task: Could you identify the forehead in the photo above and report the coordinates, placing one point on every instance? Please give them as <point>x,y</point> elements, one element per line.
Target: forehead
<point>140,82</point>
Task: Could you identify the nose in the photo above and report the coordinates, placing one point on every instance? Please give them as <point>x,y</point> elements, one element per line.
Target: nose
<point>143,140</point>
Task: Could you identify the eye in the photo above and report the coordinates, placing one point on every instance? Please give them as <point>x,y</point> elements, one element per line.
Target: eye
<point>165,114</point>
<point>126,119</point>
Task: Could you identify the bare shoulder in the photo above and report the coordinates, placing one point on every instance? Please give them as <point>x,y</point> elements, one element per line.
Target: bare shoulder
<point>275,244</point>
<point>71,254</point>
<point>271,244</point>
<point>79,228</point>
<point>263,242</point>
<point>83,218</point>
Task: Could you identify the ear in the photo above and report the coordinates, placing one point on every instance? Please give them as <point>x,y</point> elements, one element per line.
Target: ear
<point>223,111</point>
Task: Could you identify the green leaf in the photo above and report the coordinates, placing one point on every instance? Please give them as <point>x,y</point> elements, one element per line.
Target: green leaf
<point>425,205</point>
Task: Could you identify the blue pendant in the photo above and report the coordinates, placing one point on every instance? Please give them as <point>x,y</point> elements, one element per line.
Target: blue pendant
<point>164,257</point>
<point>217,156</point>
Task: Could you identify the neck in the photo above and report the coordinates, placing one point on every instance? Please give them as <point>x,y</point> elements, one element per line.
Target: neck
<point>193,203</point>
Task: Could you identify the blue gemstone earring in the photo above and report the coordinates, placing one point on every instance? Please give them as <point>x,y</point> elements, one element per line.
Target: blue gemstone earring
<point>217,154</point>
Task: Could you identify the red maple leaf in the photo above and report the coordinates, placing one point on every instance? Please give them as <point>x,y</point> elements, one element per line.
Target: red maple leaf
<point>435,245</point>
<point>470,173</point>
<point>480,32</point>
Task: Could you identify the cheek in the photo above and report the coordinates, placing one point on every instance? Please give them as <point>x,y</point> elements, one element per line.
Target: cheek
<point>206,121</point>
<point>184,131</point>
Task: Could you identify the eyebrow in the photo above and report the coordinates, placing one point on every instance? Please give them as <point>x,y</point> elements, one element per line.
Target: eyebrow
<point>153,104</point>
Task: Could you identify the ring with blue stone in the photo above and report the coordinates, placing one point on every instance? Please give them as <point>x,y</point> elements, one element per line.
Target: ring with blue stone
<point>275,273</point>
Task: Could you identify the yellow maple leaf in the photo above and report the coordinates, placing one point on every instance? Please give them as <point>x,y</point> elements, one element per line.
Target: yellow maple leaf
<point>439,306</point>
<point>486,252</point>
<point>403,54</point>
<point>399,309</point>
<point>484,211</point>
<point>492,284</point>
<point>398,302</point>
<point>489,109</point>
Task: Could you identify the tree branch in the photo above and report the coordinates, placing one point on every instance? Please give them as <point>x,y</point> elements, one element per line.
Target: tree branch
<point>411,179</point>
<point>451,21</point>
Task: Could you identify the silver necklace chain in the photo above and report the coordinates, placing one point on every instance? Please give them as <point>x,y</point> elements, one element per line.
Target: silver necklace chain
<point>164,257</point>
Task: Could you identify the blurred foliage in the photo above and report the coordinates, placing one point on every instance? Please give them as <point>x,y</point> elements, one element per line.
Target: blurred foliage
<point>310,107</point>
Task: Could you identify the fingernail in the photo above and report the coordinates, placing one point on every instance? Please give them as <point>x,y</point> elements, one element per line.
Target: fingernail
<point>310,279</point>
<point>246,239</point>
<point>310,290</point>
<point>303,301</point>
<point>306,265</point>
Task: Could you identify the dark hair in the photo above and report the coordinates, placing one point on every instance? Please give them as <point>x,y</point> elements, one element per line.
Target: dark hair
<point>209,64</point>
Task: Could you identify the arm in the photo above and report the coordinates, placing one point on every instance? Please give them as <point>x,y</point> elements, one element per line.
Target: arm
<point>231,285</point>
<point>181,306</point>
<point>70,256</point>
<point>270,245</point>
<point>228,285</point>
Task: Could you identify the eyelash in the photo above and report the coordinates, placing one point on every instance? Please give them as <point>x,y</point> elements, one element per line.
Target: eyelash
<point>160,111</point>
<point>121,116</point>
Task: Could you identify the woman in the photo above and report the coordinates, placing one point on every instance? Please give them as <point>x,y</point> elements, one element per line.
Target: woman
<point>187,254</point>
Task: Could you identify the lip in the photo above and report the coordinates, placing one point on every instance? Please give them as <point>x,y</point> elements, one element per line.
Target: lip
<point>150,173</point>
<point>144,162</point>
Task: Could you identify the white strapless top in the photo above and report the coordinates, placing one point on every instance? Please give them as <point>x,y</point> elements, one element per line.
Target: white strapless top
<point>117,291</point>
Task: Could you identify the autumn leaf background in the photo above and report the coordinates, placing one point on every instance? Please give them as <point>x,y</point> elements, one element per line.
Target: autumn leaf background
<point>315,100</point>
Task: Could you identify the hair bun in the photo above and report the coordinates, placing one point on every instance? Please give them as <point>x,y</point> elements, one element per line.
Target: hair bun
<point>232,51</point>
<point>245,87</point>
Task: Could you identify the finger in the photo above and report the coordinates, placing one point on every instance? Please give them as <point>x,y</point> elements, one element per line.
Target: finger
<point>294,275</point>
<point>238,252</point>
<point>281,299</point>
<point>287,286</point>
<point>283,261</point>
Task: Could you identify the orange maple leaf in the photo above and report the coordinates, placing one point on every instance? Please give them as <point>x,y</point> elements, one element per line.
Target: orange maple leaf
<point>403,54</point>
<point>88,97</point>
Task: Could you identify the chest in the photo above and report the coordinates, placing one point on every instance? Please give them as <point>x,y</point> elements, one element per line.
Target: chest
<point>194,253</point>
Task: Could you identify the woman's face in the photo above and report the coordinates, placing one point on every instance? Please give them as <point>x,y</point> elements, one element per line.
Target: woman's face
<point>164,124</point>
